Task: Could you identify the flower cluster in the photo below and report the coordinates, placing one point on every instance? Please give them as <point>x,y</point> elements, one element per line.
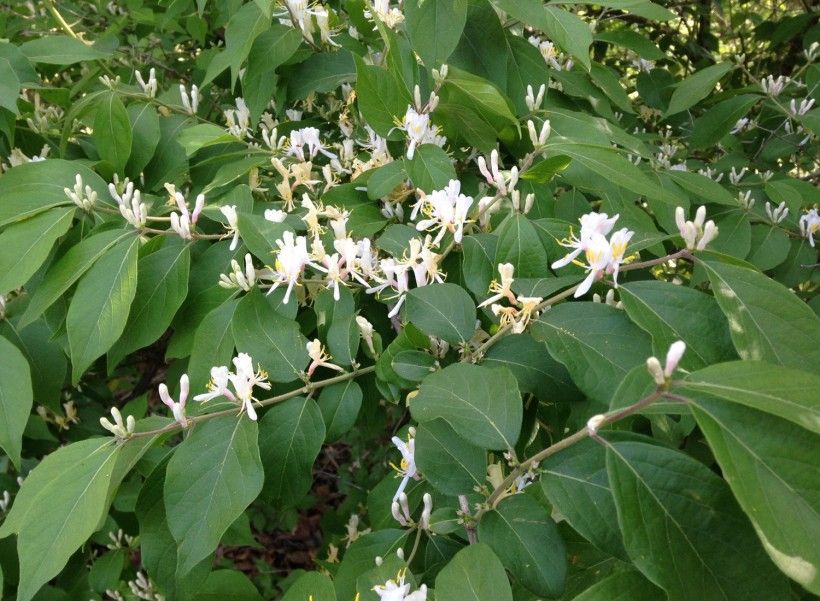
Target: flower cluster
<point>182,223</point>
<point>603,256</point>
<point>399,590</point>
<point>243,381</point>
<point>696,234</point>
<point>445,211</point>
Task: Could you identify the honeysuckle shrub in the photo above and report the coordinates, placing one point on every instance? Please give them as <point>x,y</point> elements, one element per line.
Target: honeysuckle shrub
<point>516,299</point>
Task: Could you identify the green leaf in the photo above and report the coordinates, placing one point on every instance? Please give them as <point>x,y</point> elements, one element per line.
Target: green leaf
<point>696,87</point>
<point>575,482</point>
<point>242,29</point>
<point>228,584</point>
<point>534,369</point>
<point>44,355</point>
<point>16,399</point>
<point>212,477</point>
<point>519,244</point>
<point>683,529</point>
<point>719,120</point>
<point>543,171</point>
<point>34,187</point>
<point>9,87</point>
<point>766,320</point>
<point>525,538</point>
<point>785,392</point>
<point>158,549</point>
<point>67,270</point>
<point>631,40</point>
<point>448,461</point>
<point>442,310</point>
<point>27,244</point>
<point>430,168</point>
<point>162,285</point>
<point>668,312</point>
<point>340,404</point>
<point>145,135</point>
<point>100,306</point>
<point>702,187</point>
<point>311,584</point>
<point>322,72</point>
<point>770,464</point>
<point>640,8</point>
<point>480,403</point>
<point>291,436</point>
<point>270,50</point>
<point>382,100</point>
<point>597,343</point>
<point>60,50</point>
<point>203,135</point>
<point>770,246</point>
<point>434,28</point>
<point>272,341</point>
<point>621,586</point>
<point>60,505</point>
<point>474,574</point>
<point>607,163</point>
<point>414,365</point>
<point>569,32</point>
<point>112,131</point>
<point>383,180</point>
<point>478,94</point>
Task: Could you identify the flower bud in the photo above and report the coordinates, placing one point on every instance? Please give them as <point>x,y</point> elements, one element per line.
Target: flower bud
<point>655,370</point>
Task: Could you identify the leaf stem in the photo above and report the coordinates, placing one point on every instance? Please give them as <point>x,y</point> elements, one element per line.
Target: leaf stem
<point>567,442</point>
<point>306,389</point>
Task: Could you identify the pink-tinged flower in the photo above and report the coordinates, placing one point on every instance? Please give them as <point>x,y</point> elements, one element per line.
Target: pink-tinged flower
<point>177,408</point>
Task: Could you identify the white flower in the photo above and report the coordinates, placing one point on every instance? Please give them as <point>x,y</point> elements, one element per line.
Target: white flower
<point>798,110</point>
<point>290,262</point>
<point>177,408</point>
<point>772,86</point>
<point>183,221</point>
<point>239,119</point>
<point>735,176</point>
<point>643,64</point>
<point>380,9</point>
<point>307,136</point>
<point>695,233</point>
<point>275,215</point>
<point>446,211</point>
<point>809,225</point>
<point>130,204</point>
<point>502,180</point>
<point>537,138</point>
<point>533,101</point>
<point>119,428</point>
<point>591,223</point>
<point>673,357</point>
<point>237,278</point>
<point>407,468</point>
<point>777,214</point>
<point>598,254</point>
<point>319,357</point>
<point>82,195</point>
<point>229,211</point>
<point>741,125</point>
<point>191,103</point>
<point>503,290</point>
<point>617,246</point>
<point>419,130</point>
<point>366,331</point>
<point>218,386</point>
<point>149,88</point>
